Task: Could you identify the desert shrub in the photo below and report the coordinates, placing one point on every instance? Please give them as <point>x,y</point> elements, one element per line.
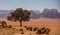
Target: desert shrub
<point>47,31</point>
<point>29,28</point>
<point>9,26</point>
<point>43,30</point>
<point>21,29</point>
<point>25,26</point>
<point>22,32</point>
<point>4,24</point>
<point>38,31</point>
<point>35,29</point>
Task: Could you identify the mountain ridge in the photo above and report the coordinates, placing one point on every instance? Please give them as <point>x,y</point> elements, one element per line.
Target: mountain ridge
<point>35,14</point>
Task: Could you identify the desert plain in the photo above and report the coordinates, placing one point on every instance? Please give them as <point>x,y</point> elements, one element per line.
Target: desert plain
<point>52,24</point>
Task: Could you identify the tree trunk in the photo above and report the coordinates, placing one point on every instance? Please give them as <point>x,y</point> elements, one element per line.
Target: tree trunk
<point>21,23</point>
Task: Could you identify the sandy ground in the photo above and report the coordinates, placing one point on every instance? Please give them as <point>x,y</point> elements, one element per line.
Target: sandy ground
<point>52,24</point>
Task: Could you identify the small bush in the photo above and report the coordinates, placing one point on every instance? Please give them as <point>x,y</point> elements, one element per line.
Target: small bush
<point>21,29</point>
<point>9,26</point>
<point>43,28</point>
<point>4,24</point>
<point>47,31</point>
<point>43,31</point>
<point>25,26</point>
<point>29,28</point>
<point>22,32</point>
<point>35,29</point>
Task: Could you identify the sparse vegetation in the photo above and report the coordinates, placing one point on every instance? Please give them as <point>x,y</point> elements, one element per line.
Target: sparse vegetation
<point>35,28</point>
<point>48,28</point>
<point>25,26</point>
<point>22,32</point>
<point>4,24</point>
<point>24,15</point>
<point>21,29</point>
<point>47,31</point>
<point>9,26</point>
<point>43,31</point>
<point>30,28</point>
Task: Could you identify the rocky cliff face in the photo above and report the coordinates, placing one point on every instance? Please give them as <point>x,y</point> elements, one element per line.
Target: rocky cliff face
<point>50,13</point>
<point>35,14</point>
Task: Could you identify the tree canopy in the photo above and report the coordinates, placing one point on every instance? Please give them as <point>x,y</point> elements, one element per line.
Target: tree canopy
<point>19,15</point>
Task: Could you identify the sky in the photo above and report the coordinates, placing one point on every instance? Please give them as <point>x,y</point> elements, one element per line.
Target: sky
<point>29,4</point>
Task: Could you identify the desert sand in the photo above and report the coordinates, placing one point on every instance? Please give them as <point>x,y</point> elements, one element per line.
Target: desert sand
<point>52,24</point>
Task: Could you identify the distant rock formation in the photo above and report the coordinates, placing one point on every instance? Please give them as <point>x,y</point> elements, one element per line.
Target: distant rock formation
<point>50,13</point>
<point>35,14</point>
<point>4,13</point>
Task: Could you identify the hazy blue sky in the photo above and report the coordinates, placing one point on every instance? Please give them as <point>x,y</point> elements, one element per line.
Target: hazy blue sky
<point>29,4</point>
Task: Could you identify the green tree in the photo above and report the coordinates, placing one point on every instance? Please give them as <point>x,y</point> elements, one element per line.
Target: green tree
<point>19,15</point>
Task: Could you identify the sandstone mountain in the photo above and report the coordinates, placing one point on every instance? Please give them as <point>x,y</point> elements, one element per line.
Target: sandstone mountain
<point>46,13</point>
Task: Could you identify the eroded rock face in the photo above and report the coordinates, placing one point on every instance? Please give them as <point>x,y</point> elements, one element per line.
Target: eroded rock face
<point>35,14</point>
<point>50,13</point>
